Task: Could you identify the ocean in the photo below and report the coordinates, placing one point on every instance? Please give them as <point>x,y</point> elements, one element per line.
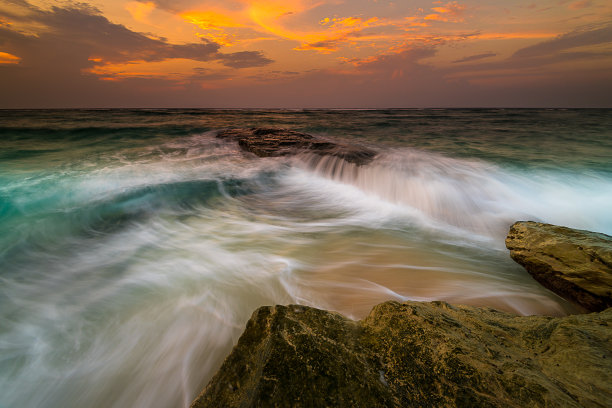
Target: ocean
<point>134,245</point>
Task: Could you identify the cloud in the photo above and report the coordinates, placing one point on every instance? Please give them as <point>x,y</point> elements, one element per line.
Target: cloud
<point>450,12</point>
<point>400,60</point>
<point>475,57</point>
<point>211,20</point>
<point>175,6</point>
<point>578,38</point>
<point>66,50</point>
<point>326,45</point>
<point>559,61</point>
<point>452,8</point>
<point>6,58</point>
<point>92,39</point>
<point>312,24</point>
<point>384,35</point>
<point>140,11</point>
<point>73,56</point>
<point>245,59</point>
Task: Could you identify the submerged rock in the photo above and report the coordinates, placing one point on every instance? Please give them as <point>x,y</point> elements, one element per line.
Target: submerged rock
<point>575,264</point>
<point>415,354</point>
<point>267,142</point>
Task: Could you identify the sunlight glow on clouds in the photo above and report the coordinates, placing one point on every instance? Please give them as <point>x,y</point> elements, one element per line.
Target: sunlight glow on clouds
<point>297,47</point>
<point>140,11</point>
<point>6,58</point>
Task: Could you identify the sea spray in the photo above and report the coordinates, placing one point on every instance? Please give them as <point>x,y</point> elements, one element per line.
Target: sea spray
<point>472,195</point>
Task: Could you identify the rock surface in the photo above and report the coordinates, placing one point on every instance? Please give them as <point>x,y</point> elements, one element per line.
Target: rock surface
<point>416,354</point>
<point>267,142</point>
<point>573,263</point>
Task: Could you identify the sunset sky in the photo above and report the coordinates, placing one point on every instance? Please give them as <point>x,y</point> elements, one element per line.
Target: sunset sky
<point>305,53</point>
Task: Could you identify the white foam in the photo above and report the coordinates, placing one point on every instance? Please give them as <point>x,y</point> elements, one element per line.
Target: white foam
<point>457,195</point>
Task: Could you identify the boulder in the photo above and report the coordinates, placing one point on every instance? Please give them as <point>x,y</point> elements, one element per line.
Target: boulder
<point>271,142</point>
<point>415,354</point>
<point>575,264</point>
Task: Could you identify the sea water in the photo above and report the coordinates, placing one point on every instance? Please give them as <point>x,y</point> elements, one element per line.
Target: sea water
<point>134,245</point>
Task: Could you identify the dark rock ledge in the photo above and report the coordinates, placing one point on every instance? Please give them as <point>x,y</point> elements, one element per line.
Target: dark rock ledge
<point>271,142</point>
<point>575,264</point>
<point>434,354</point>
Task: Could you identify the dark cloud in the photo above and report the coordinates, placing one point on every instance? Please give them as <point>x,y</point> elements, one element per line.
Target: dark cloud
<point>405,59</point>
<point>70,41</point>
<point>325,45</point>
<point>83,29</point>
<point>116,43</point>
<point>244,59</point>
<point>475,57</point>
<point>174,6</point>
<point>580,38</point>
<point>538,57</point>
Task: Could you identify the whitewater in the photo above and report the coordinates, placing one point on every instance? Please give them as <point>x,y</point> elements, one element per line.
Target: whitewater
<point>134,244</point>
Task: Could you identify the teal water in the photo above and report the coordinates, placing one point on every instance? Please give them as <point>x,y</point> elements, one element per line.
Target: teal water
<point>134,245</point>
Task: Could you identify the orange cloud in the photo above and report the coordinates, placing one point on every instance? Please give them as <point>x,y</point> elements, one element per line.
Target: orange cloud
<point>255,20</point>
<point>211,20</point>
<point>450,12</point>
<point>341,31</point>
<point>169,69</point>
<point>453,8</point>
<point>325,45</point>
<point>140,11</point>
<point>436,17</point>
<point>228,26</point>
<point>276,19</point>
<point>6,58</point>
<point>215,23</point>
<point>351,22</point>
<point>268,16</point>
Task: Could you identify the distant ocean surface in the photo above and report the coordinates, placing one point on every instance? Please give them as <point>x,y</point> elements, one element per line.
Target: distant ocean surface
<point>134,245</point>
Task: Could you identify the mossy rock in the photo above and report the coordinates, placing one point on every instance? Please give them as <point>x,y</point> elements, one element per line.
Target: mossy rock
<point>416,354</point>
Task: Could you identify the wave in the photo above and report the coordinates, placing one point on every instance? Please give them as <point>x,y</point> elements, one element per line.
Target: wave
<point>473,196</point>
<point>129,272</point>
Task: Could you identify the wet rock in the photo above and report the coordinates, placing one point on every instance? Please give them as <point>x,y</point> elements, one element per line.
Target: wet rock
<point>271,142</point>
<point>415,354</point>
<point>575,264</point>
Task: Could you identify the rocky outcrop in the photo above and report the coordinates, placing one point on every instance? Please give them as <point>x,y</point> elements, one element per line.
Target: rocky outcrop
<point>575,264</point>
<point>416,354</point>
<point>266,142</point>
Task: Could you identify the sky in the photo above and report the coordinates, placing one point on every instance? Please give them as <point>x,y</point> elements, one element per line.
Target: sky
<point>305,53</point>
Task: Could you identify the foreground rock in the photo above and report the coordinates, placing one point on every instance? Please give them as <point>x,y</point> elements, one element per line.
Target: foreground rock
<point>416,354</point>
<point>265,142</point>
<point>573,263</point>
